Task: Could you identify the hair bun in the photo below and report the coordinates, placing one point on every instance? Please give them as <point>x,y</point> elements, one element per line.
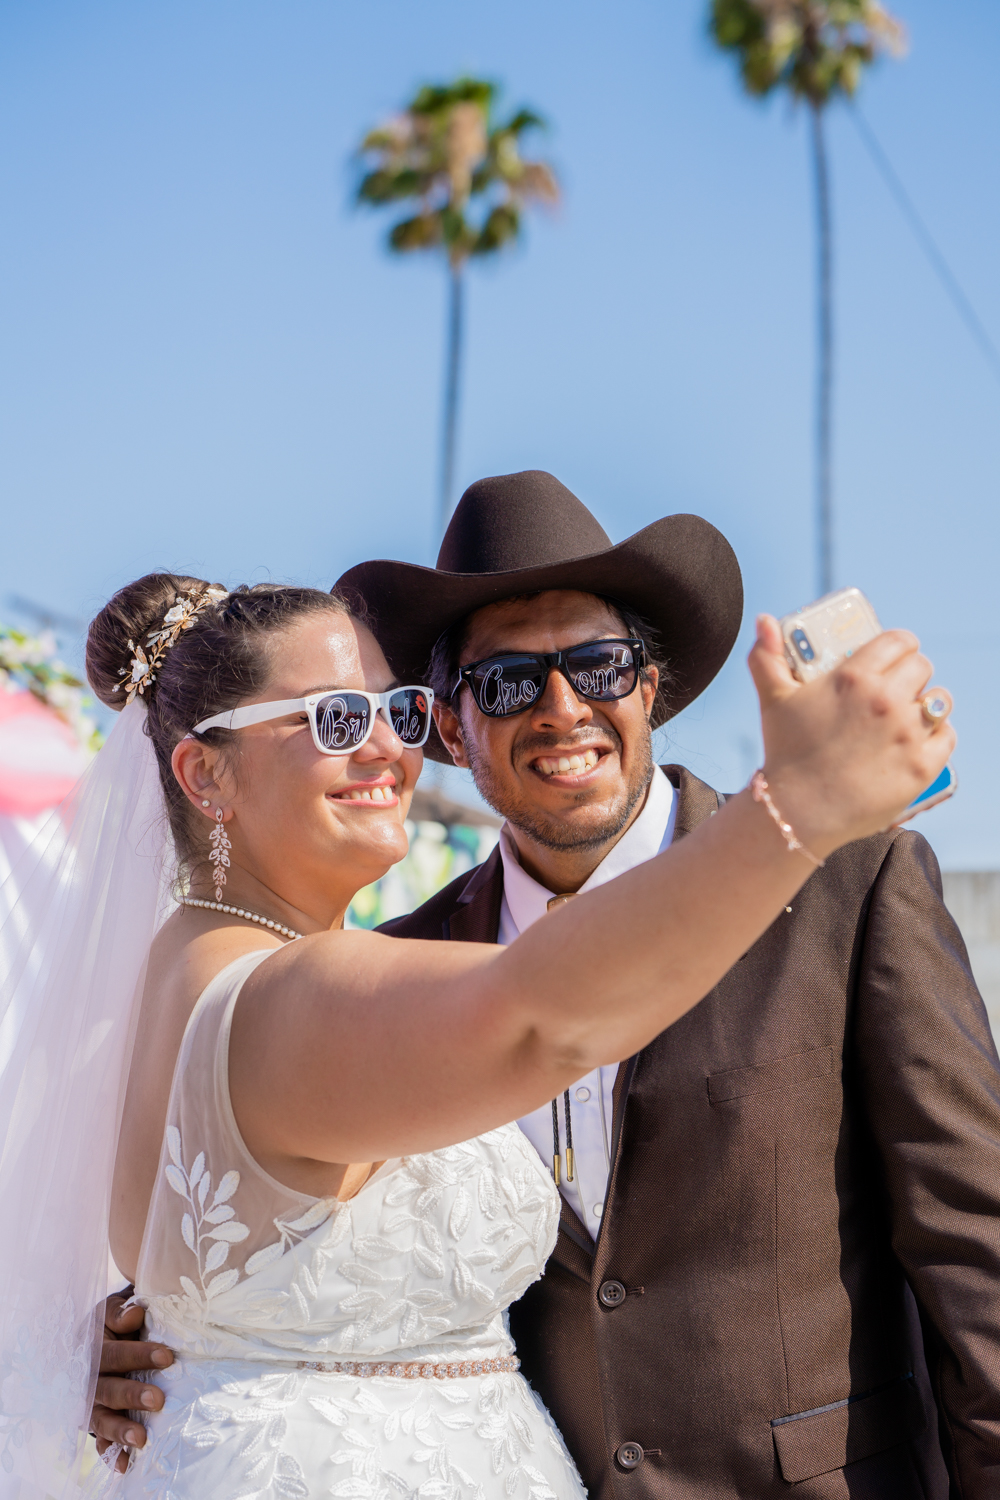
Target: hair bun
<point>133,612</point>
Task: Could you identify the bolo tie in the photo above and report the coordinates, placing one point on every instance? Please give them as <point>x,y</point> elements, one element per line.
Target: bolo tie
<point>561,900</point>
<point>556,1158</point>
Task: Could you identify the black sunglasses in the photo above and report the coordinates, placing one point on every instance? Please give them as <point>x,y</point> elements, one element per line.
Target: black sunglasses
<point>599,670</point>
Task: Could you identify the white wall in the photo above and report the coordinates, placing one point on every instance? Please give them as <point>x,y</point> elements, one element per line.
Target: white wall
<point>973,898</point>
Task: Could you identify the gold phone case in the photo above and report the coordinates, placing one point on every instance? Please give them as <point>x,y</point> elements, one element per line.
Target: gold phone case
<point>821,635</point>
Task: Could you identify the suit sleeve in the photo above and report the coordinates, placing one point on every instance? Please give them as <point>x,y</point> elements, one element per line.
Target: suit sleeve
<point>928,1067</point>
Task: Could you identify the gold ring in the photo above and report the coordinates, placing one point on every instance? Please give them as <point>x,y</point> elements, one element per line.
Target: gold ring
<point>936,706</point>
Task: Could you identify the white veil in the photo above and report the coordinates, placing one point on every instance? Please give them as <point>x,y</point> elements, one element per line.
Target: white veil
<point>77,916</point>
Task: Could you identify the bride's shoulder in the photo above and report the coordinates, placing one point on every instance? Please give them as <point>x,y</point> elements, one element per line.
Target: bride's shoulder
<point>188,953</point>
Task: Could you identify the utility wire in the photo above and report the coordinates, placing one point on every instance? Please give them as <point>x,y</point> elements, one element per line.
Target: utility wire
<point>927,243</point>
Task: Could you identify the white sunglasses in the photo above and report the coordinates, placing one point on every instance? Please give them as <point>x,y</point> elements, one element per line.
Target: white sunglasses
<point>341,722</point>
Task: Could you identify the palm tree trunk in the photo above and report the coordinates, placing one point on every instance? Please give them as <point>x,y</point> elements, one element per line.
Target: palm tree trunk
<point>824,364</point>
<point>451,390</point>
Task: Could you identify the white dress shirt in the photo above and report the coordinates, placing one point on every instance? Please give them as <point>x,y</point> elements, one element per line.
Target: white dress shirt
<point>524,901</point>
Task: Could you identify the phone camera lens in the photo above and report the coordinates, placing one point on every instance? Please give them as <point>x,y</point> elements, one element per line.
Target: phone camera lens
<point>802,645</point>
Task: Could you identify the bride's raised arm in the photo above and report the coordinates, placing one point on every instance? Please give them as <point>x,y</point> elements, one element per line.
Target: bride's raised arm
<point>353,1047</point>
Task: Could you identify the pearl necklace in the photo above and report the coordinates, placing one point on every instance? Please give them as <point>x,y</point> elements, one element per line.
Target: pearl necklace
<point>248,916</point>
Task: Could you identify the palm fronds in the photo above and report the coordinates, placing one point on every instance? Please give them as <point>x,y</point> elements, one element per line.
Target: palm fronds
<point>466,171</point>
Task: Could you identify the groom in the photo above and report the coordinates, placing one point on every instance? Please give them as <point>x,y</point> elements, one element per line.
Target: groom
<point>784,1213</point>
<point>778,1261</point>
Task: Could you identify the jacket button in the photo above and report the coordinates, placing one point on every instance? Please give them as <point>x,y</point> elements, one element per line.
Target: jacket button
<point>629,1455</point>
<point>612,1294</point>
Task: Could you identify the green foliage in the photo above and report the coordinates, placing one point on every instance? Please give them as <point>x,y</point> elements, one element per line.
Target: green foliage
<point>813,48</point>
<point>421,233</point>
<point>464,169</point>
<point>436,855</point>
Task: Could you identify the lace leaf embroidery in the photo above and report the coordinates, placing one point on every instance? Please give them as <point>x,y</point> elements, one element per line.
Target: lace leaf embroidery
<point>262,1258</point>
<point>210,1232</point>
<point>208,1238</point>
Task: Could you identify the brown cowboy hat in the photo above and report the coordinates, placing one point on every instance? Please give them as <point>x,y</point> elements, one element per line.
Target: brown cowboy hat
<point>521,533</point>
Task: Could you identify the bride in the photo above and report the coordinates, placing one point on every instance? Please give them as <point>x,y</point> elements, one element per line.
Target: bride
<point>307,1170</point>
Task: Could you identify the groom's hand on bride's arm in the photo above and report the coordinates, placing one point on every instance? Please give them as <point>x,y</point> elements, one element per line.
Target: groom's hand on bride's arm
<point>123,1353</point>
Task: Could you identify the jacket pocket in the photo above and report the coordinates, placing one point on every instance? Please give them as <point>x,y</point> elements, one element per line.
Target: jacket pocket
<point>817,1442</point>
<point>782,1073</point>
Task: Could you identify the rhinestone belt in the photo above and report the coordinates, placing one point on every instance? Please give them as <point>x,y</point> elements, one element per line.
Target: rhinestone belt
<point>420,1369</point>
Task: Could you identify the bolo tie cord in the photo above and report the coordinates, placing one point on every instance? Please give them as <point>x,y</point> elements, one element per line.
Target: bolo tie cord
<point>556,1154</point>
<point>551,904</point>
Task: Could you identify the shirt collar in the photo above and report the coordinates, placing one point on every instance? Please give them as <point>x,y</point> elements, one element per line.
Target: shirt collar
<point>652,831</point>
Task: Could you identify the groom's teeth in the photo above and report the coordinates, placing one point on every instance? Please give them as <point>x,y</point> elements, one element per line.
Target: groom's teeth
<point>572,765</point>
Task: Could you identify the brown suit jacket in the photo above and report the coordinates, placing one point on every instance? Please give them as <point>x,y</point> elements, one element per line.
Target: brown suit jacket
<point>803,1212</point>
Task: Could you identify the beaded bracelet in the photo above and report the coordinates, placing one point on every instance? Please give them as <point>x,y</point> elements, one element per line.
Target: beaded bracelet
<point>760,793</point>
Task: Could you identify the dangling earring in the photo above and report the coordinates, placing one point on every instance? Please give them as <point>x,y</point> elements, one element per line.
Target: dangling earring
<point>219,856</point>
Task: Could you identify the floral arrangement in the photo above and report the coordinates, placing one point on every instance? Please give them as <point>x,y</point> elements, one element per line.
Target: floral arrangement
<point>28,661</point>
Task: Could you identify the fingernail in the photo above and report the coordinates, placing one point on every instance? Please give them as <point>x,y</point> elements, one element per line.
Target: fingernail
<point>132,1436</point>
<point>148,1400</point>
<point>161,1358</point>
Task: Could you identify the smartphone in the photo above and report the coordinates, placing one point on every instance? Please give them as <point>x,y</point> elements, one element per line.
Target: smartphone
<point>940,790</point>
<point>821,635</point>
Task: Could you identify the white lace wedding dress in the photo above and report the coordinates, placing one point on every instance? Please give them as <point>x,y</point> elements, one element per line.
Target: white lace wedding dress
<point>257,1288</point>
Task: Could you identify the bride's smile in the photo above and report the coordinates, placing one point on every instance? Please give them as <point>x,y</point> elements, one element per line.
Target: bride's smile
<point>377,795</point>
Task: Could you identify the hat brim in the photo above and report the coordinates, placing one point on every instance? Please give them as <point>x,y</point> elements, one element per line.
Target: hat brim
<point>680,574</point>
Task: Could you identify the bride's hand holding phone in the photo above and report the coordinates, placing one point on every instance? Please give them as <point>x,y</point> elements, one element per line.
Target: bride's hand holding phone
<point>845,754</point>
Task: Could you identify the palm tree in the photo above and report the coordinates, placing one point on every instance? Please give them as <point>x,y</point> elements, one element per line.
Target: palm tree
<point>442,152</point>
<point>814,49</point>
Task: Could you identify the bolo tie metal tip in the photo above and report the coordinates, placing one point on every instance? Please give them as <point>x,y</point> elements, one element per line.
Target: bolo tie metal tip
<point>569,1163</point>
<point>555,1169</point>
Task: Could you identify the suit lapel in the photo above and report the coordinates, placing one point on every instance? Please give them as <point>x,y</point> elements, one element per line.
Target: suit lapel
<point>574,1248</point>
<point>623,1082</point>
<point>696,801</point>
<point>476,918</point>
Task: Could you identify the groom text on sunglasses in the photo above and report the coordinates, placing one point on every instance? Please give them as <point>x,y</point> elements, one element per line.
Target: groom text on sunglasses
<point>778,1261</point>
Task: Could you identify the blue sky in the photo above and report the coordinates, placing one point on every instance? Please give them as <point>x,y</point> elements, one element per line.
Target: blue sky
<point>208,362</point>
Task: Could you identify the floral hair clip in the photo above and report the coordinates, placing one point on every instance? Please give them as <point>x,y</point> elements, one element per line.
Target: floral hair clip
<point>181,616</point>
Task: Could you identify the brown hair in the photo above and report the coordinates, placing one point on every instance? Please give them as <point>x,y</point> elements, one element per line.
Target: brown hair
<point>212,667</point>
